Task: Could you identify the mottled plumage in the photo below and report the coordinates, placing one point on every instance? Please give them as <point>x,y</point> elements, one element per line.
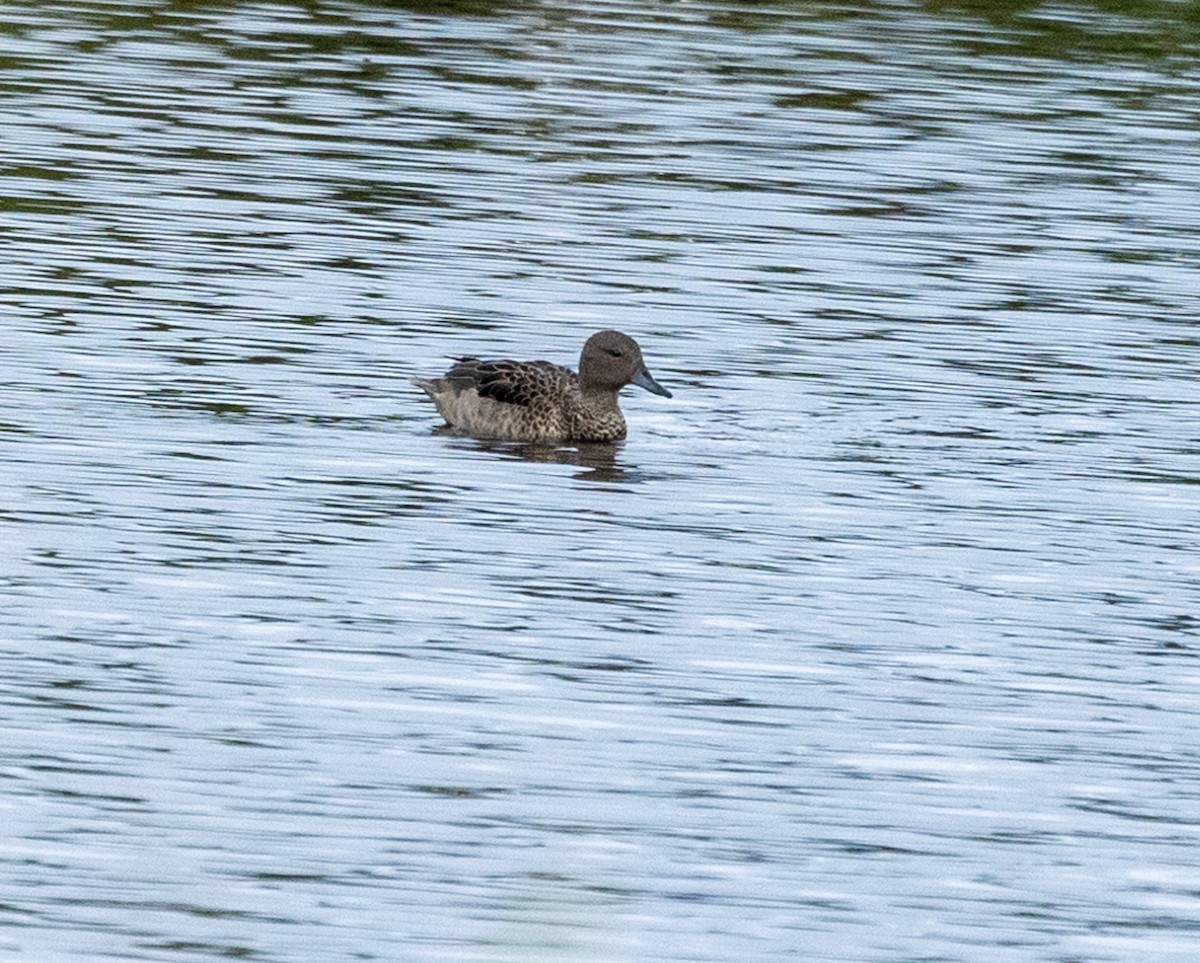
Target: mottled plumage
<point>540,401</point>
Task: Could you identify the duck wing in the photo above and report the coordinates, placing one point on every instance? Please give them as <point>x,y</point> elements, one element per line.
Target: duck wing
<point>524,383</point>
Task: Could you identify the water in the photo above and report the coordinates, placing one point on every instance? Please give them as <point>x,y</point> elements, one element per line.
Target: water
<point>877,642</point>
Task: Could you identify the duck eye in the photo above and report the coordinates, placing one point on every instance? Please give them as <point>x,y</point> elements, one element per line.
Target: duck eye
<point>614,352</point>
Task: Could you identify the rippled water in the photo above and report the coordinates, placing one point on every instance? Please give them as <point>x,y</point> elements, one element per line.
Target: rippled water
<point>877,642</point>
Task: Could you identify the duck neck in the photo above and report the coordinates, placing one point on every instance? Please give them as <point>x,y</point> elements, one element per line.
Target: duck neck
<point>598,396</point>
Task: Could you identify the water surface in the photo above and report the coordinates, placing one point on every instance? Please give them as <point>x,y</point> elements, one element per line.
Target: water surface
<point>877,642</point>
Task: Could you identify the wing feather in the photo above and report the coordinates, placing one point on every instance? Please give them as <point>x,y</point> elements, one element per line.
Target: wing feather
<point>510,382</point>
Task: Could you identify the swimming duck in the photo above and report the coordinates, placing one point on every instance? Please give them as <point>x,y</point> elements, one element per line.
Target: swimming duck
<point>540,401</point>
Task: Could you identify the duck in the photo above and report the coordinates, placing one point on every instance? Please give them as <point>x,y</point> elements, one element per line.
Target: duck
<point>537,401</point>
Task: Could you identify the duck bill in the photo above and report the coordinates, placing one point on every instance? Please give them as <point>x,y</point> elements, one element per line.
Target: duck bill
<point>643,380</point>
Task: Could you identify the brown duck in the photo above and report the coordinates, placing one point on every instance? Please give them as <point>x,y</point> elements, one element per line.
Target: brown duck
<point>540,401</point>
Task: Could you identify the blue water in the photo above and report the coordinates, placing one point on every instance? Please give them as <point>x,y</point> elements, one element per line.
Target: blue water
<point>876,642</point>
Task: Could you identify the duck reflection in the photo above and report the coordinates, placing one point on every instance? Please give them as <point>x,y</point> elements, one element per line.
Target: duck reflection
<point>600,460</point>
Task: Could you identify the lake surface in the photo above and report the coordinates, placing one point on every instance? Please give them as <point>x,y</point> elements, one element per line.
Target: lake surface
<point>876,644</point>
